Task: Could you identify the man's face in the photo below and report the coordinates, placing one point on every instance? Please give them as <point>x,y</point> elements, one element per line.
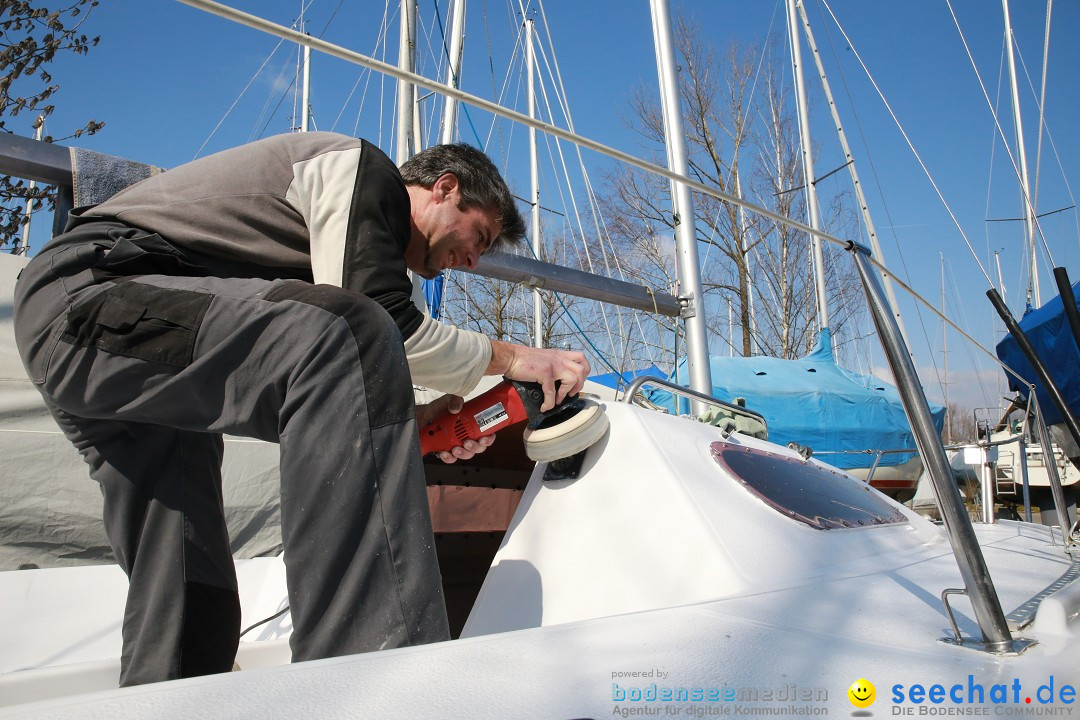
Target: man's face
<point>455,237</point>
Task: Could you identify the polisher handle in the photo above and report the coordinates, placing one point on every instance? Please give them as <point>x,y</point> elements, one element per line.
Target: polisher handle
<point>486,414</point>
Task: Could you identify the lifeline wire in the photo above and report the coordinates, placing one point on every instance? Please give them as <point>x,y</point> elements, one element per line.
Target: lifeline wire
<point>997,123</point>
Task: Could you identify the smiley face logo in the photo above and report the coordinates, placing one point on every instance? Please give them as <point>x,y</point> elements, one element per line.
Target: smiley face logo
<point>862,693</point>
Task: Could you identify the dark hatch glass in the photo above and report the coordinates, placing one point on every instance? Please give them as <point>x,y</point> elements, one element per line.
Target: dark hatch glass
<point>821,498</point>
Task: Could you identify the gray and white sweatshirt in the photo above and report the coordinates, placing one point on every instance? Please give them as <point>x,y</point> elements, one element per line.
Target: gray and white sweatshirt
<point>320,206</point>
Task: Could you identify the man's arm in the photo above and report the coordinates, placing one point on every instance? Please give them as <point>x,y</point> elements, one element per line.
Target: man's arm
<point>542,365</point>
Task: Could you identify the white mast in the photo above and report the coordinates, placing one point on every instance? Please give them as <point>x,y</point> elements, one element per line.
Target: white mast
<point>860,196</point>
<point>457,37</point>
<point>1029,210</point>
<point>405,95</point>
<point>808,164</point>
<point>23,247</point>
<point>697,342</point>
<point>534,179</point>
<point>305,97</point>
<point>945,353</point>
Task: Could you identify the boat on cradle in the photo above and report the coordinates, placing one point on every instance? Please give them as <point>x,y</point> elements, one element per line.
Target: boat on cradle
<point>1052,338</point>
<point>1009,473</point>
<point>851,421</point>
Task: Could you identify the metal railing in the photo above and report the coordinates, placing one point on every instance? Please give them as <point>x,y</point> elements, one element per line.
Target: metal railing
<point>674,389</point>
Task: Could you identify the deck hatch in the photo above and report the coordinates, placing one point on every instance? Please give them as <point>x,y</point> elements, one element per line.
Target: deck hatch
<point>823,499</point>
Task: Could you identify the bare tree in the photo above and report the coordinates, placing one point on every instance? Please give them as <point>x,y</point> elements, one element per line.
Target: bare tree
<point>30,38</point>
<point>959,425</point>
<point>744,143</point>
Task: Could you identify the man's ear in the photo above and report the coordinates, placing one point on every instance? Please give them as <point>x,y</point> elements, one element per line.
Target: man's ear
<point>444,186</point>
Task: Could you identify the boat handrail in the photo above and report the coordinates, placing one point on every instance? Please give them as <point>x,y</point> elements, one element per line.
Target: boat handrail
<point>674,388</point>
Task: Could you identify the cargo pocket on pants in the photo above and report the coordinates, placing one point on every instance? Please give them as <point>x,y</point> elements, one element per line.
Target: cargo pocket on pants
<point>140,321</point>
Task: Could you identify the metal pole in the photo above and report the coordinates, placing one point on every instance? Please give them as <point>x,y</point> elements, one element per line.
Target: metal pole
<point>1024,475</point>
<point>697,341</point>
<point>405,99</point>
<point>534,184</point>
<point>969,557</point>
<point>1068,302</point>
<point>808,164</point>
<point>24,246</point>
<point>1050,463</point>
<point>305,97</point>
<point>986,475</point>
<point>457,38</point>
<point>944,354</point>
<point>860,197</point>
<point>1029,211</point>
<point>1040,370</point>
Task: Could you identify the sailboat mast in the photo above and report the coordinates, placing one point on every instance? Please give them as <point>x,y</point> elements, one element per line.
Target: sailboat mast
<point>693,314</point>
<point>405,96</point>
<point>1029,210</point>
<point>808,164</point>
<point>849,158</point>
<point>457,41</point>
<point>945,355</point>
<point>305,96</point>
<point>534,183</point>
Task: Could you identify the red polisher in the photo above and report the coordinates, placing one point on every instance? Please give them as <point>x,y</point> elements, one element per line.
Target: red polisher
<point>566,429</point>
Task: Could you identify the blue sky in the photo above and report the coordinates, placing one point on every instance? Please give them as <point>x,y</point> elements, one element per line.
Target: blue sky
<point>165,74</point>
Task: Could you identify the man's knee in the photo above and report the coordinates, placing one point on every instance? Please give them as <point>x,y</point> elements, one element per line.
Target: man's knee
<point>378,344</point>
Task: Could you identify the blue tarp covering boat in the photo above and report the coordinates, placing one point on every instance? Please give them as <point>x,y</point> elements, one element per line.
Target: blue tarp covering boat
<point>1048,330</point>
<point>612,380</point>
<point>815,402</point>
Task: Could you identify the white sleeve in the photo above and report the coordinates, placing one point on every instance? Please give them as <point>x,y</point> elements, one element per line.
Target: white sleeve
<point>321,191</point>
<point>447,358</point>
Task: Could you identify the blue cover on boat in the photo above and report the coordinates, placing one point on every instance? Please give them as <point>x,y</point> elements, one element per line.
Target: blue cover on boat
<point>612,379</point>
<point>433,292</point>
<point>815,402</point>
<point>1048,330</point>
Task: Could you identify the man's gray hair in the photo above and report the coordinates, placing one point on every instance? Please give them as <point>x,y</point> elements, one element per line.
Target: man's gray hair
<point>479,183</point>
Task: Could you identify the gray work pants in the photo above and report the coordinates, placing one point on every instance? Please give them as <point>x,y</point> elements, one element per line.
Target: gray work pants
<point>144,373</point>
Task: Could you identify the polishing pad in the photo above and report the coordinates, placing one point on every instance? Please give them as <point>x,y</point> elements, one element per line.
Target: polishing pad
<point>569,436</point>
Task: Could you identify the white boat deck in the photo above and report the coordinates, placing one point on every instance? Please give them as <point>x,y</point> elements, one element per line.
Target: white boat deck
<point>653,561</point>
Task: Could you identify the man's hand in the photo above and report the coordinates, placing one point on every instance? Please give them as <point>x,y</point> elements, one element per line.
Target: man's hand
<point>529,364</point>
<point>425,414</point>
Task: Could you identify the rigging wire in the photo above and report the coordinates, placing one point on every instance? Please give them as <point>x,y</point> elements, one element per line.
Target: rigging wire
<point>877,178</point>
<point>853,108</point>
<point>1044,128</point>
<point>1024,191</point>
<point>237,100</point>
<point>427,32</point>
<point>456,79</point>
<point>255,21</point>
<point>993,151</point>
<point>918,157</point>
<point>573,202</point>
<point>364,73</point>
<point>1042,99</point>
<point>959,304</point>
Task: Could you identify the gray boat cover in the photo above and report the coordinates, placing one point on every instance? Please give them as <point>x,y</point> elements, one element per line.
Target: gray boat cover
<point>50,509</point>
